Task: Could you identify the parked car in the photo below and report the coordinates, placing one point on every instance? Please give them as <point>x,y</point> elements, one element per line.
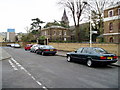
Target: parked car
<point>28,46</point>
<point>92,56</point>
<point>34,48</point>
<point>46,49</point>
<point>10,45</point>
<point>15,45</point>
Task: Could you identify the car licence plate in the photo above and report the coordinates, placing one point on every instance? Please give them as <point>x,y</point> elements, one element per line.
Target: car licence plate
<point>109,58</point>
<point>51,50</point>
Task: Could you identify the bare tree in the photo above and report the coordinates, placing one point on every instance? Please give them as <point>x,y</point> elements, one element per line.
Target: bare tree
<point>76,7</point>
<point>27,29</point>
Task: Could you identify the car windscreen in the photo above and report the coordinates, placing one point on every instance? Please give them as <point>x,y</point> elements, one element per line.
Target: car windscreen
<point>100,51</point>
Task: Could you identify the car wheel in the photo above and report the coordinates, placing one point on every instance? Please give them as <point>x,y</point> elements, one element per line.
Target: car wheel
<point>40,53</point>
<point>69,58</point>
<point>37,52</point>
<point>53,54</point>
<point>34,51</point>
<point>89,63</point>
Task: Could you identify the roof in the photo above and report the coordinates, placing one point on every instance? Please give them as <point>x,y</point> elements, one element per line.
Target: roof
<point>59,27</point>
<point>113,6</point>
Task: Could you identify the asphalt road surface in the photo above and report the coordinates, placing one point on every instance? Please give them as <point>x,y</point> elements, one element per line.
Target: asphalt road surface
<point>30,70</point>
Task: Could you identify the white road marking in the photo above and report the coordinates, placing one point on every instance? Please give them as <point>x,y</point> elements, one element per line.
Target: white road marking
<point>29,74</point>
<point>12,65</point>
<point>22,68</point>
<point>14,60</point>
<point>44,88</point>
<point>32,77</point>
<point>39,83</point>
<point>19,65</point>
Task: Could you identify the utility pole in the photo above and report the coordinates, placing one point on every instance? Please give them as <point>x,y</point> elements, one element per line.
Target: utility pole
<point>90,29</point>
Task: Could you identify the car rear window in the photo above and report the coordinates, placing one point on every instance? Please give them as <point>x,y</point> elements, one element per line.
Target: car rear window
<point>28,45</point>
<point>48,47</point>
<point>100,51</point>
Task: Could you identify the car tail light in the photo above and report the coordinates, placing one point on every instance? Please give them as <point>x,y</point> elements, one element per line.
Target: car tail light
<point>103,57</point>
<point>115,57</point>
<point>55,49</point>
<point>46,49</point>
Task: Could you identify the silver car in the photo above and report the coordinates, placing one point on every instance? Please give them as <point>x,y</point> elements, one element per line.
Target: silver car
<point>15,45</point>
<point>34,48</point>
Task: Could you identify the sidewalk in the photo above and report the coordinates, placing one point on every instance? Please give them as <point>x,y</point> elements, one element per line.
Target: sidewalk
<point>3,54</point>
<point>63,53</point>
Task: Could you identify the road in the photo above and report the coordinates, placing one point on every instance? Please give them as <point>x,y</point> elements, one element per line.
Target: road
<point>30,70</point>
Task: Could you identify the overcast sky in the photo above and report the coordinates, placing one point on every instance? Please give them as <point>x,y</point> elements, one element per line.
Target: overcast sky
<point>17,14</point>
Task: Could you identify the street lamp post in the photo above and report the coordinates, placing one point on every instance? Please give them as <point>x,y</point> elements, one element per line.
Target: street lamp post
<point>90,30</point>
<point>85,2</point>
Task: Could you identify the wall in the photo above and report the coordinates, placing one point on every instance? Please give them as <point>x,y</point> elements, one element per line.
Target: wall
<point>111,48</point>
<point>115,10</point>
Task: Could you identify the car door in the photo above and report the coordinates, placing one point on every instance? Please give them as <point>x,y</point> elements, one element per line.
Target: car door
<point>84,54</point>
<point>32,47</point>
<point>41,49</point>
<point>77,54</point>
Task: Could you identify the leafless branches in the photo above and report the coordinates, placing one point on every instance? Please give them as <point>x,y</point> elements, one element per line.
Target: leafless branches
<point>76,7</point>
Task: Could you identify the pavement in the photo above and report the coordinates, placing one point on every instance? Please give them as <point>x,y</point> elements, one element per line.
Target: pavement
<point>4,55</point>
<point>63,53</point>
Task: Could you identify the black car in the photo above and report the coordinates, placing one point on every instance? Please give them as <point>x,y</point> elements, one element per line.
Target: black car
<point>92,56</point>
<point>46,49</point>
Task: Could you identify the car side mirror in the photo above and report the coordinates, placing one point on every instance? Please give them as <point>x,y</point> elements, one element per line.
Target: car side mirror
<point>75,51</point>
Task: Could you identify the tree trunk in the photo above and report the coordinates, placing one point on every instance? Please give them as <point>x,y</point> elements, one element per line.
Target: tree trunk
<point>77,33</point>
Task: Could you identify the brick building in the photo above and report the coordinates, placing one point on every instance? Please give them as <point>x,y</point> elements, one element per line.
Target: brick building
<point>58,33</point>
<point>54,33</point>
<point>112,23</point>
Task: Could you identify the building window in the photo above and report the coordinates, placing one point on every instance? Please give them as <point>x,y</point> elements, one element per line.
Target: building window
<point>111,40</point>
<point>45,33</point>
<point>65,39</point>
<point>111,27</point>
<point>60,33</point>
<point>118,11</point>
<point>110,13</point>
<point>48,32</point>
<point>65,33</point>
<point>54,33</point>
